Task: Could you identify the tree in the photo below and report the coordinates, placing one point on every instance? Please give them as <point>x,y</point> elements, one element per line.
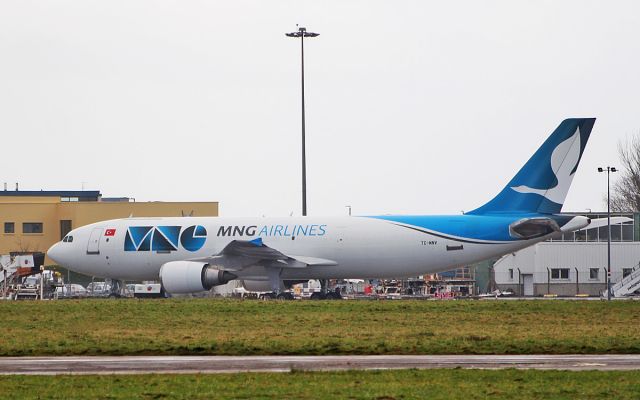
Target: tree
<point>625,193</point>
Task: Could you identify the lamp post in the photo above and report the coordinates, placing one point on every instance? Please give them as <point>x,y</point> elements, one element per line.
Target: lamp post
<point>302,33</point>
<point>608,170</point>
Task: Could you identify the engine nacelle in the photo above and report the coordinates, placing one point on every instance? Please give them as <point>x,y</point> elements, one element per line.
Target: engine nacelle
<point>191,277</point>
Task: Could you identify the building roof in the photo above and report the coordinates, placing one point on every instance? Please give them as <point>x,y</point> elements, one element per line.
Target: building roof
<point>116,199</point>
<point>50,193</point>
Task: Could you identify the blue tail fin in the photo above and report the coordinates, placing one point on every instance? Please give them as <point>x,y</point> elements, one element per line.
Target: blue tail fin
<point>542,184</point>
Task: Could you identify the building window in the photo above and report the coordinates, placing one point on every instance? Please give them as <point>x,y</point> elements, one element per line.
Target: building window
<point>623,232</point>
<point>9,227</point>
<point>592,235</point>
<point>65,227</point>
<point>593,273</point>
<point>616,233</point>
<point>559,273</point>
<point>627,232</point>
<point>626,272</point>
<point>603,233</point>
<point>511,273</point>
<point>32,227</point>
<point>568,237</point>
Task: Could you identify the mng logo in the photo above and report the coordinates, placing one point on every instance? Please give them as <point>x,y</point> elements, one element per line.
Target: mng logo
<point>164,238</point>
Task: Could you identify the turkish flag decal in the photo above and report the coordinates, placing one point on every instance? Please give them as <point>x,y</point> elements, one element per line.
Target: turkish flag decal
<point>110,232</point>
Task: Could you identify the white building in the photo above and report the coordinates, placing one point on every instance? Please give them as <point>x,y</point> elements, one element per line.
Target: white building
<point>573,264</point>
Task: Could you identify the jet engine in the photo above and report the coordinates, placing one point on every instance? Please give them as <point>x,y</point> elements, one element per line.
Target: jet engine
<point>191,276</point>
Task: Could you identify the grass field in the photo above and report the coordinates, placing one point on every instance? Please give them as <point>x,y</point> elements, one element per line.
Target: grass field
<point>404,384</point>
<point>234,327</point>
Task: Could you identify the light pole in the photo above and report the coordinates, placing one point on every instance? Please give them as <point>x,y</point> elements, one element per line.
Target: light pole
<point>608,170</point>
<point>302,33</point>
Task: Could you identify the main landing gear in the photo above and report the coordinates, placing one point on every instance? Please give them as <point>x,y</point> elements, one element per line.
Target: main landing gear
<point>284,296</point>
<point>277,292</point>
<point>324,294</point>
<point>277,286</point>
<point>277,296</point>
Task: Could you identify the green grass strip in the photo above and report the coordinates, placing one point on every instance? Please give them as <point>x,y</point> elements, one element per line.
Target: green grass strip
<point>402,384</point>
<point>233,327</point>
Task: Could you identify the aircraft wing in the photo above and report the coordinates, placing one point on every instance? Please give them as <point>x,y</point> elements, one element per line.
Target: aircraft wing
<point>240,254</point>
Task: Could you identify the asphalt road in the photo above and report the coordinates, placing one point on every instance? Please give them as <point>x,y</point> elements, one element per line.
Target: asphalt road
<point>228,364</point>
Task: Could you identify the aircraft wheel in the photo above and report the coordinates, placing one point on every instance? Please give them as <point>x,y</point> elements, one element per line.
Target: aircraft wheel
<point>285,296</point>
<point>333,296</point>
<point>268,296</point>
<point>317,296</point>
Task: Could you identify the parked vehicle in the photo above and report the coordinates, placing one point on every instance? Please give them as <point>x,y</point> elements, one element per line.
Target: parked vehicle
<point>98,289</point>
<point>392,292</point>
<point>71,290</point>
<point>148,290</point>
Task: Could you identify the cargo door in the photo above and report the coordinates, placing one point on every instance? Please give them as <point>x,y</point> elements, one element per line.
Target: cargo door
<point>93,247</point>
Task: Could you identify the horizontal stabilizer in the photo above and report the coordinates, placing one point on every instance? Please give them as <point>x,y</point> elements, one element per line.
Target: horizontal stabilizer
<point>598,222</point>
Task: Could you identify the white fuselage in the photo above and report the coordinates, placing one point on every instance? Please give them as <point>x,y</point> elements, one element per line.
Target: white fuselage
<point>361,247</point>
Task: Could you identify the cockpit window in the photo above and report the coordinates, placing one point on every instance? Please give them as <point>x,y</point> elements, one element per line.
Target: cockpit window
<point>68,239</point>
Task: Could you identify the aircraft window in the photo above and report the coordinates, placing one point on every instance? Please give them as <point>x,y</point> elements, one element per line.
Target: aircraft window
<point>68,239</point>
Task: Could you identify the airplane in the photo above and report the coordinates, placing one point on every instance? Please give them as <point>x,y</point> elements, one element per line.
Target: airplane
<point>194,254</point>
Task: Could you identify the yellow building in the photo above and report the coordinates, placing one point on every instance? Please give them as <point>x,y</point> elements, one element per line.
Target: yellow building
<point>34,220</point>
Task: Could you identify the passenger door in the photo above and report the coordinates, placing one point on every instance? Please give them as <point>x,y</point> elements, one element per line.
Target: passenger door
<point>93,247</point>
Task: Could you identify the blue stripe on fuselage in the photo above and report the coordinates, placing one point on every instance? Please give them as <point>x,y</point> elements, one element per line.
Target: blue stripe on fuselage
<point>475,227</point>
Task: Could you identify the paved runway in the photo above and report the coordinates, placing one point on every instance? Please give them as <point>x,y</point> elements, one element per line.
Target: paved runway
<point>229,364</point>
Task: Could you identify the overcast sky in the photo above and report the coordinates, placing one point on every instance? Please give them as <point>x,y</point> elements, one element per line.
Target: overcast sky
<point>412,106</point>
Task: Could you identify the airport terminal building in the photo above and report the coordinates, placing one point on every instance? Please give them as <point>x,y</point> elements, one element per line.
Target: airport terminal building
<point>575,263</point>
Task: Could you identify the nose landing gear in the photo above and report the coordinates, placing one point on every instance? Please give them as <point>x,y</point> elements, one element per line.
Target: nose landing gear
<point>116,289</point>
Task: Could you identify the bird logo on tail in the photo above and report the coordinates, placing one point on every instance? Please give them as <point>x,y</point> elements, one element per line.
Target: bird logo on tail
<point>564,159</point>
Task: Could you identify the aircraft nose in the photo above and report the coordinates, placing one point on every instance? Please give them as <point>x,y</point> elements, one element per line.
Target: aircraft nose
<point>55,253</point>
